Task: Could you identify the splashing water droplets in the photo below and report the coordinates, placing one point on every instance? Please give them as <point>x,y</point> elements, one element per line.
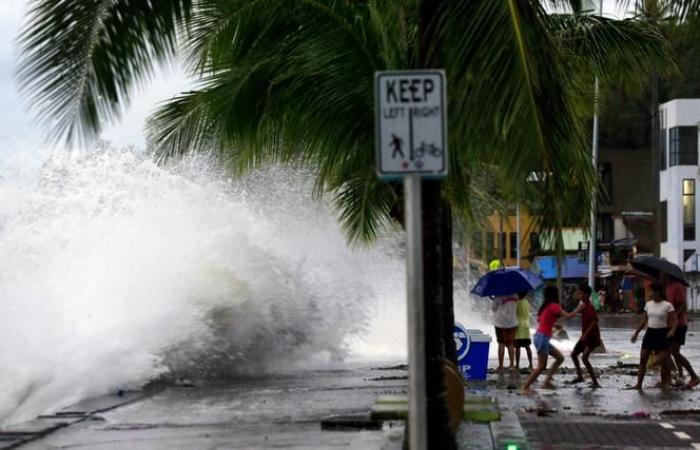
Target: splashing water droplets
<point>115,271</point>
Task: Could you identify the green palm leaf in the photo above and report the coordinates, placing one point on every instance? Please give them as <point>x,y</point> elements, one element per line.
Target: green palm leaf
<point>81,59</point>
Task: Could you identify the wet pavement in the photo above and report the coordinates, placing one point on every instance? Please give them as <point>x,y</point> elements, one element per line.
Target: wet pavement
<point>271,412</point>
<point>286,411</point>
<point>576,416</point>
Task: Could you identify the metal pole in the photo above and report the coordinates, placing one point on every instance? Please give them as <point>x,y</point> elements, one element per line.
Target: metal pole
<point>593,239</point>
<point>417,406</point>
<point>517,234</point>
<point>594,158</point>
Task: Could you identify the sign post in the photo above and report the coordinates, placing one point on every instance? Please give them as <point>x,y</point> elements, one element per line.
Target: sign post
<point>411,143</point>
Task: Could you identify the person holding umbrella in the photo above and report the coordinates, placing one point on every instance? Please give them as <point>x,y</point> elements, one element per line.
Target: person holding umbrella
<point>502,286</point>
<point>505,322</point>
<point>660,317</point>
<point>676,295</point>
<point>549,312</point>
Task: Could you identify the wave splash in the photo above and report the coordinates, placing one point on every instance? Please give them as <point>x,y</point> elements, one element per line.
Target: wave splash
<point>115,272</point>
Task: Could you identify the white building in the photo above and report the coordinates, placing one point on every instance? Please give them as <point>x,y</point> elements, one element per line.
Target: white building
<point>679,181</point>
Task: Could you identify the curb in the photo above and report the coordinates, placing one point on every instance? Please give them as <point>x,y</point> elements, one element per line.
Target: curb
<point>508,433</point>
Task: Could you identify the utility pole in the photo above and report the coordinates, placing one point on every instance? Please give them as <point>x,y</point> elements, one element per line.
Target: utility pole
<point>594,160</point>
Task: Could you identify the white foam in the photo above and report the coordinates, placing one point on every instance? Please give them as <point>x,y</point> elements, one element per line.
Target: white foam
<point>114,271</point>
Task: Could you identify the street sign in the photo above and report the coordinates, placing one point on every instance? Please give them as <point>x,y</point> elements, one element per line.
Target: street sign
<point>411,123</point>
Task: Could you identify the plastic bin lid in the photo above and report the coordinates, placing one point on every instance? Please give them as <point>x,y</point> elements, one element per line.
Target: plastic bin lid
<point>480,337</point>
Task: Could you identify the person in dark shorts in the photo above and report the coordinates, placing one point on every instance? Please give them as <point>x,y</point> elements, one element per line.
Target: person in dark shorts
<point>590,335</point>
<point>522,334</point>
<point>505,322</point>
<point>660,317</point>
<point>676,295</point>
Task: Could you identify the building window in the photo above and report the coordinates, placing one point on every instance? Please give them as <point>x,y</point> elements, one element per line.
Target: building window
<point>687,253</point>
<point>534,242</point>
<point>514,245</point>
<point>663,212</point>
<point>605,230</point>
<point>688,209</point>
<point>502,246</point>
<point>683,146</point>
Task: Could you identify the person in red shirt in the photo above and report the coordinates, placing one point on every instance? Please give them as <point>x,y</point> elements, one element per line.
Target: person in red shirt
<point>547,315</point>
<point>590,335</point>
<point>676,295</point>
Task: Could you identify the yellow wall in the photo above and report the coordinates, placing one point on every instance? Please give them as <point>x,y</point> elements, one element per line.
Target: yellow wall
<point>509,225</point>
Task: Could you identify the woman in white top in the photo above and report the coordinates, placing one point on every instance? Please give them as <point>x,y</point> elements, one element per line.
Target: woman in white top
<point>660,318</point>
<point>506,323</point>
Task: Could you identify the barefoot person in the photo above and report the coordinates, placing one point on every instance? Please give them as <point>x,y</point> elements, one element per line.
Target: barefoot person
<point>660,317</point>
<point>548,313</point>
<point>590,335</point>
<point>522,334</point>
<point>676,295</point>
<point>505,322</point>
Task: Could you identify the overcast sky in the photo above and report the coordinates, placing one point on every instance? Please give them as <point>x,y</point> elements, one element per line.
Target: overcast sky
<point>16,129</point>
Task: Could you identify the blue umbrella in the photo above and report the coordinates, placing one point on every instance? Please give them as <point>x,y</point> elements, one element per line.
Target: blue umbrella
<point>506,282</point>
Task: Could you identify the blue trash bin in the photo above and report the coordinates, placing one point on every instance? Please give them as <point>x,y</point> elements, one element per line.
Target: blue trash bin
<point>472,352</point>
<point>477,359</point>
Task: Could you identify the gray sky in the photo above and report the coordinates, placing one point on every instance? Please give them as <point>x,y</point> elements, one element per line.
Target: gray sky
<point>17,131</point>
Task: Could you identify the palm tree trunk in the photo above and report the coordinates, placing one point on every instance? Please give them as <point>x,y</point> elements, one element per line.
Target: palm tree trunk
<point>437,286</point>
<point>437,269</point>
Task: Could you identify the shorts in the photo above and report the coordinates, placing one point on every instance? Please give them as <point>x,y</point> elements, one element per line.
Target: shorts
<point>591,343</point>
<point>522,343</point>
<point>656,339</point>
<point>505,335</point>
<point>680,334</point>
<point>542,343</point>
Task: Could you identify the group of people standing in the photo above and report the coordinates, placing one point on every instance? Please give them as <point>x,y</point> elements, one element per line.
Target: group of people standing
<point>665,318</point>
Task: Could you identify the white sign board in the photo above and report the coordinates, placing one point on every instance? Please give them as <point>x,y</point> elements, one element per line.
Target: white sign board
<point>411,123</point>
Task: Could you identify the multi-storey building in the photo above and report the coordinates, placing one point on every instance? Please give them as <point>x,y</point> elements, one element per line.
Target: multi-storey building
<point>679,179</point>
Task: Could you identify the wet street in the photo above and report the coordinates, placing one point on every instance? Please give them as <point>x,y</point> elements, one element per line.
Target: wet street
<point>286,411</point>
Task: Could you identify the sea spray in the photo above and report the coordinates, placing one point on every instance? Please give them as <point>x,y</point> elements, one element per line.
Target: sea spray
<point>115,271</point>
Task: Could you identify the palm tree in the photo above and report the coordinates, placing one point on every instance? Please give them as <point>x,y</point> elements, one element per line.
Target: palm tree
<point>291,81</point>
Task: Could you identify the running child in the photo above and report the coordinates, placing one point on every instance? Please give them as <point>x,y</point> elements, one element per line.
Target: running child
<point>547,315</point>
<point>590,335</point>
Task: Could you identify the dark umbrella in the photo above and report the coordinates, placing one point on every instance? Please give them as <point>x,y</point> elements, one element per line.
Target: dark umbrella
<point>506,282</point>
<point>651,265</point>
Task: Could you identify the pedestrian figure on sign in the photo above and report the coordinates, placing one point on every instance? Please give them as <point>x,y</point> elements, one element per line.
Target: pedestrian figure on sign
<point>522,334</point>
<point>676,295</point>
<point>549,312</point>
<point>397,144</point>
<point>660,317</point>
<point>590,335</point>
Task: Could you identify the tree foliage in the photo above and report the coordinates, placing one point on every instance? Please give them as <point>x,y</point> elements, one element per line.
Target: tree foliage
<point>291,81</point>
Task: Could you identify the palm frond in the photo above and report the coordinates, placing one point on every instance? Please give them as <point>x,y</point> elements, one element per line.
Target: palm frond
<point>511,104</point>
<point>364,203</point>
<point>81,59</point>
<point>613,50</point>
